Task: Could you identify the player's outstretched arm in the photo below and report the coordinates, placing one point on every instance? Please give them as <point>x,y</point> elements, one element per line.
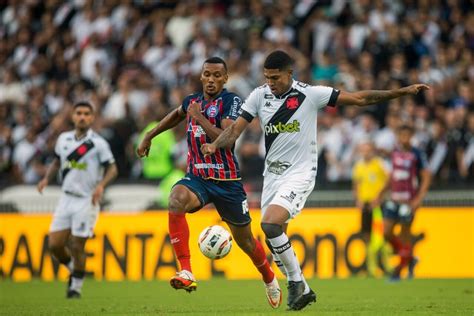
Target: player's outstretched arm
<point>50,173</point>
<point>110,174</point>
<point>368,97</point>
<point>169,121</point>
<point>227,138</point>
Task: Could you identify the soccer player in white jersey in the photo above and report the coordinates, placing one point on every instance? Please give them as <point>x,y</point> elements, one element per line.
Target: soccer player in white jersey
<point>287,110</point>
<point>81,156</point>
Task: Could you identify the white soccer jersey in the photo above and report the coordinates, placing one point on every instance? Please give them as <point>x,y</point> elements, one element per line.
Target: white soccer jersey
<point>82,161</point>
<point>289,125</point>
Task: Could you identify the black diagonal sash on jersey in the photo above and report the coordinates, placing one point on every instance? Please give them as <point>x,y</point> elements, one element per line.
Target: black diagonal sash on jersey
<point>283,115</point>
<point>77,154</point>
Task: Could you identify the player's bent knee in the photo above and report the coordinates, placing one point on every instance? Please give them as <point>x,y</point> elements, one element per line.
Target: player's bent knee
<point>179,200</point>
<point>55,244</point>
<point>271,230</point>
<point>176,205</point>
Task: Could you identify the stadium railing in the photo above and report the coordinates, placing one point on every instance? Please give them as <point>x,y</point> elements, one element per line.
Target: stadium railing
<point>133,198</point>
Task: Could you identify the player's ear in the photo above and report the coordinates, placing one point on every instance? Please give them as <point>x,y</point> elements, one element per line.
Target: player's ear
<point>226,77</point>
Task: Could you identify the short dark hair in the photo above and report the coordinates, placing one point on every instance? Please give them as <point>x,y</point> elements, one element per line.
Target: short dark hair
<point>216,60</point>
<point>406,127</point>
<point>83,104</point>
<point>278,60</point>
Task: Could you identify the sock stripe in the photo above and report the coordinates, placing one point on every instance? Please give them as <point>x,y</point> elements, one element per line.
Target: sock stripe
<point>78,274</point>
<point>282,248</point>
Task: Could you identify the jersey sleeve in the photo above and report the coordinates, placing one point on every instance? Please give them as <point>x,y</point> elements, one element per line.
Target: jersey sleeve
<point>57,152</point>
<point>232,104</point>
<point>421,160</point>
<point>323,96</point>
<point>186,102</point>
<point>249,109</point>
<point>105,154</point>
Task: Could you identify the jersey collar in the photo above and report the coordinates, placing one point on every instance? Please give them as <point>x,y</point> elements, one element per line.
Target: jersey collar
<point>284,95</point>
<point>88,134</point>
<point>224,90</point>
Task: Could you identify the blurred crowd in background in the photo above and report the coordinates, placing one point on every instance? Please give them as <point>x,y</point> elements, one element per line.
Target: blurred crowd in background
<point>136,60</point>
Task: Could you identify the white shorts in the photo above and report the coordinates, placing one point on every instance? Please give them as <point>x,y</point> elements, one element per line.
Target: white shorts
<point>75,213</point>
<point>289,192</point>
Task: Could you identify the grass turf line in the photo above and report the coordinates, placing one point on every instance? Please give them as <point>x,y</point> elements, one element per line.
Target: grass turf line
<point>355,296</point>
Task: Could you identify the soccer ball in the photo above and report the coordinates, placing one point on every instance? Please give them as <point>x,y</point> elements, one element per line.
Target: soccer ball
<point>215,242</point>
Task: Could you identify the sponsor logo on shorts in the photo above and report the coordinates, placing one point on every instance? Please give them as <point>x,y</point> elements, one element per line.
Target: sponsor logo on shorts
<point>290,197</point>
<point>82,226</point>
<point>245,207</point>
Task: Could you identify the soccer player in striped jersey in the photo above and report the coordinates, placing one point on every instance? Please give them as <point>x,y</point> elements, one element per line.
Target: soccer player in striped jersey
<point>213,179</point>
<point>409,182</point>
<point>287,110</point>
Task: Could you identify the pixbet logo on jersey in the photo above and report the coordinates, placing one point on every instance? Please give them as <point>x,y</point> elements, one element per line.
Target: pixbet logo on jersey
<point>282,128</point>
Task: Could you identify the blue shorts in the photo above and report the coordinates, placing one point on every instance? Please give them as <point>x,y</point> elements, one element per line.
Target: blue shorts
<point>400,213</point>
<point>228,197</point>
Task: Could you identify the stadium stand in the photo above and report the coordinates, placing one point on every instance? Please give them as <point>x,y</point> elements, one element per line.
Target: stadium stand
<point>136,60</point>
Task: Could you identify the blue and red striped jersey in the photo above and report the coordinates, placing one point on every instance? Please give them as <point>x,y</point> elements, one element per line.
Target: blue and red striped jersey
<point>223,164</point>
<point>406,167</point>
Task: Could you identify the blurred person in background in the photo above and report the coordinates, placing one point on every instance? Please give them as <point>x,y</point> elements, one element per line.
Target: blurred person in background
<point>23,157</point>
<point>436,151</point>
<point>179,157</point>
<point>159,162</point>
<point>210,180</point>
<point>385,138</point>
<point>467,164</point>
<point>409,182</point>
<point>81,155</point>
<point>369,177</point>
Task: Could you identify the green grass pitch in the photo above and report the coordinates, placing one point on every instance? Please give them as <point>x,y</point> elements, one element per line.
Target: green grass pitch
<point>354,296</point>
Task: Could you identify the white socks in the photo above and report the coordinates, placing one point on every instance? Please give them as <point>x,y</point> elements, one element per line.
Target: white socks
<point>70,265</point>
<point>76,284</point>
<point>282,248</point>
<point>282,269</point>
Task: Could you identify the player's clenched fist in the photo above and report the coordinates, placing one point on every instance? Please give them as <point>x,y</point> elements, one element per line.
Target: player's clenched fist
<point>144,148</point>
<point>208,149</point>
<point>194,110</point>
